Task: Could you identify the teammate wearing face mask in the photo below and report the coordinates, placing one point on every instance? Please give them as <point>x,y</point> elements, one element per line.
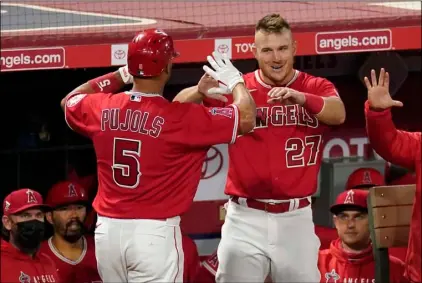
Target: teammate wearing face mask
<point>71,250</point>
<point>23,222</point>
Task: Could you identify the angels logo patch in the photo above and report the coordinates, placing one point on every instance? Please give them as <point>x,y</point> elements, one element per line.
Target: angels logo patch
<point>75,100</point>
<point>226,112</point>
<point>72,191</point>
<point>6,205</point>
<point>332,277</point>
<point>24,278</point>
<point>367,178</point>
<point>31,197</point>
<point>349,198</point>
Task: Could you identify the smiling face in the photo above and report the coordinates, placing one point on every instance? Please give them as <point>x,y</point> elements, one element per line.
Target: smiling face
<point>275,55</point>
<point>274,50</point>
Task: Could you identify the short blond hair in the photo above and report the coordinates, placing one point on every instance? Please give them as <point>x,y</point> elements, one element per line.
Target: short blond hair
<point>272,23</point>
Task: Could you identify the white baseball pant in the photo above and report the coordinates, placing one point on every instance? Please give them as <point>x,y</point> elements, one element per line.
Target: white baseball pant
<point>139,250</point>
<point>255,243</point>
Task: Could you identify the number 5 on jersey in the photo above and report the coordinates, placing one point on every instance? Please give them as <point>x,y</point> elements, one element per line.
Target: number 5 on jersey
<point>126,166</point>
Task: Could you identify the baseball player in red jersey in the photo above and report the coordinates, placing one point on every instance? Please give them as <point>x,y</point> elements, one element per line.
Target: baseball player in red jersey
<point>273,170</point>
<point>72,252</point>
<point>23,221</point>
<point>398,147</point>
<point>350,257</point>
<point>150,154</point>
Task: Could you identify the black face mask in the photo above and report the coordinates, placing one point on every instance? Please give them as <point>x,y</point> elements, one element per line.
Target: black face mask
<point>28,235</point>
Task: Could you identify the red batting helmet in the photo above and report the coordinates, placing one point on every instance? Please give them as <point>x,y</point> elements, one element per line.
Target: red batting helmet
<point>65,193</point>
<point>149,53</point>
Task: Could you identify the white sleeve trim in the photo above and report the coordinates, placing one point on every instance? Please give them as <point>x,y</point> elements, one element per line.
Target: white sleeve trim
<point>323,106</point>
<point>65,112</point>
<point>236,123</point>
<point>209,268</point>
<point>336,92</point>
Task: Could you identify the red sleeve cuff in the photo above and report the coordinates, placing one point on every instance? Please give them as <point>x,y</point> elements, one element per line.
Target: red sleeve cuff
<point>372,113</point>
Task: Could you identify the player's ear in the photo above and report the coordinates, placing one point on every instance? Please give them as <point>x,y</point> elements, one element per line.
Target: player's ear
<point>49,217</point>
<point>335,220</point>
<point>254,51</point>
<point>294,46</point>
<point>6,222</point>
<point>169,67</point>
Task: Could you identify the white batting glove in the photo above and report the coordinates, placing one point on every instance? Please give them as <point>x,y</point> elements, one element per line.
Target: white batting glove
<point>126,77</point>
<point>221,89</point>
<point>224,72</point>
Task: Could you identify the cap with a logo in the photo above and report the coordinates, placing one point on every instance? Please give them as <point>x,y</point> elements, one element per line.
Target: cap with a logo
<point>364,178</point>
<point>21,200</point>
<point>64,193</point>
<point>350,199</point>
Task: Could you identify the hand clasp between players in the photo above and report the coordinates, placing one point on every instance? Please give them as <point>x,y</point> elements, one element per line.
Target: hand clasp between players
<point>222,79</point>
<point>286,96</point>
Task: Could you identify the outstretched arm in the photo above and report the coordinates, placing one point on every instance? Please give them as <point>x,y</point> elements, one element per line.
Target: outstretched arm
<point>395,146</point>
<point>190,94</point>
<point>207,87</point>
<point>109,83</point>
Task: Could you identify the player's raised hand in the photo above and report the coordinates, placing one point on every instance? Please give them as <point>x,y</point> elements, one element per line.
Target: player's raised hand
<point>224,72</point>
<point>378,91</point>
<point>286,96</point>
<point>211,88</point>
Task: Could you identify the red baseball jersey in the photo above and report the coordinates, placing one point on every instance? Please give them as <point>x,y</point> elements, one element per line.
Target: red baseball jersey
<point>83,270</point>
<point>191,262</point>
<point>149,151</point>
<point>404,149</point>
<point>336,265</point>
<point>21,268</point>
<point>398,252</point>
<point>208,269</point>
<point>286,144</point>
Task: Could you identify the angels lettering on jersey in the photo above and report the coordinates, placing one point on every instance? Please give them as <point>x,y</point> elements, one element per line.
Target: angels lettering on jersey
<point>334,277</point>
<point>25,278</point>
<point>284,115</point>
